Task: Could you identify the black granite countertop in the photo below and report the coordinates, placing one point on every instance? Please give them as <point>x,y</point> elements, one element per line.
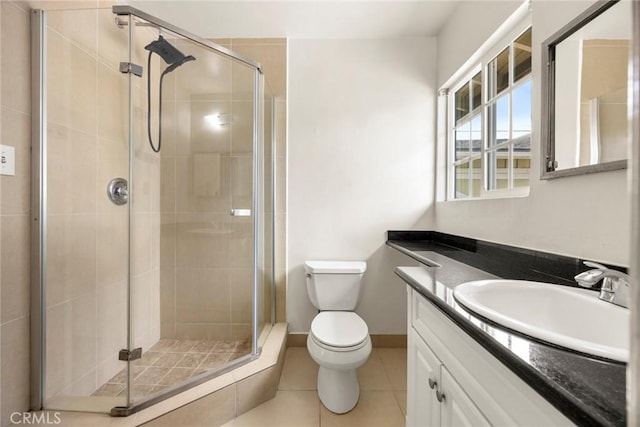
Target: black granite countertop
<point>590,391</point>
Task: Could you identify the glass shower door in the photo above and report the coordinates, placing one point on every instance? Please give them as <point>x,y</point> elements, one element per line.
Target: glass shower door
<point>84,235</point>
<point>192,212</point>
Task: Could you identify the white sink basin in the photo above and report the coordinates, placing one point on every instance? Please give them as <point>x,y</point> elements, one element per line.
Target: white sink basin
<point>568,317</point>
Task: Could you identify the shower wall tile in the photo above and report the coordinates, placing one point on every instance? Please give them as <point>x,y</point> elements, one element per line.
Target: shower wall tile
<point>145,181</point>
<point>281,190</point>
<point>241,295</point>
<point>169,119</point>
<point>240,331</point>
<point>183,132</point>
<point>241,241</point>
<point>202,295</point>
<point>15,53</point>
<point>200,331</point>
<point>168,185</point>
<point>281,127</point>
<point>242,130</point>
<point>189,196</point>
<point>78,27</point>
<point>242,82</point>
<point>202,240</point>
<point>112,40</point>
<point>111,327</point>
<point>15,274</point>
<point>168,300</point>
<point>16,132</point>
<point>141,232</point>
<point>190,80</point>
<point>71,342</point>
<point>156,228</point>
<point>168,241</point>
<point>272,56</point>
<point>72,174</point>
<point>113,105</point>
<point>71,262</point>
<point>146,309</point>
<point>15,367</point>
<point>112,247</point>
<point>72,88</point>
<point>242,182</point>
<point>281,295</point>
<point>280,241</point>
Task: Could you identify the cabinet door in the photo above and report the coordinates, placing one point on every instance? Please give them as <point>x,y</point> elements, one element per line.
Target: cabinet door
<point>423,409</point>
<point>457,408</point>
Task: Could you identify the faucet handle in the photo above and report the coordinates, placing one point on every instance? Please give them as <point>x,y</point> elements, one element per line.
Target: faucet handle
<point>595,265</point>
<point>589,278</point>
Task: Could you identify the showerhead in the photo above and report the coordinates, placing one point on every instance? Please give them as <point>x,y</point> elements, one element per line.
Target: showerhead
<point>168,53</point>
<point>176,64</point>
<point>174,58</point>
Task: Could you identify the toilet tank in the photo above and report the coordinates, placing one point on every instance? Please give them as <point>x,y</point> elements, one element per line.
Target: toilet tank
<point>334,285</point>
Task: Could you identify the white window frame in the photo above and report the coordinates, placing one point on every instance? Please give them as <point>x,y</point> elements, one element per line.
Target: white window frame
<point>503,38</point>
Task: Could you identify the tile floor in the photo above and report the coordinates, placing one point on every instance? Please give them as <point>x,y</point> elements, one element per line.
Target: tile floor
<point>170,362</point>
<point>383,389</point>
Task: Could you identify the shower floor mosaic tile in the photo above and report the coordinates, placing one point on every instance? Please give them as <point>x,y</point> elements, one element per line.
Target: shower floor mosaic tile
<point>170,362</point>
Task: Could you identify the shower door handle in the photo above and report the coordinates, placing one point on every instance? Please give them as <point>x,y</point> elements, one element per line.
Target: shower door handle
<point>240,212</point>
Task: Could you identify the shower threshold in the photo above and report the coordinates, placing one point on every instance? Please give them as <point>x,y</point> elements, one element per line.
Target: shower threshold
<point>158,404</point>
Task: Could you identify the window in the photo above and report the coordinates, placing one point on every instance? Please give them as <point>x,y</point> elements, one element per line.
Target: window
<point>490,123</point>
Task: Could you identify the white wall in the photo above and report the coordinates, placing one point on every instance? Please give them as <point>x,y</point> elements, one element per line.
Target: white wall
<point>585,216</point>
<point>360,143</point>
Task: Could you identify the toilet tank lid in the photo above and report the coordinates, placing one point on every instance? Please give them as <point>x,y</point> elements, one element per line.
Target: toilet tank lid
<point>335,267</point>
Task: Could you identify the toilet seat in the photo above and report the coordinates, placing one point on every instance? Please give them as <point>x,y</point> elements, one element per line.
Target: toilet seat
<point>339,330</point>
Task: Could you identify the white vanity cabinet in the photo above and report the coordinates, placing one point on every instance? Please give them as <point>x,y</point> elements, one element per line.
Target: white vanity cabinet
<point>434,397</point>
<point>453,381</point>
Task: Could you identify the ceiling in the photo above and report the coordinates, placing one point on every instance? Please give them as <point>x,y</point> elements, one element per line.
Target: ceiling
<point>354,19</point>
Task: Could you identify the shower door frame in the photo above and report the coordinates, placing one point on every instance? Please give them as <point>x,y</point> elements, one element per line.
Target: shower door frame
<point>39,208</point>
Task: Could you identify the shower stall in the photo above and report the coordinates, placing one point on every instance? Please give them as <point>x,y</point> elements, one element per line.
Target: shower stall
<point>152,210</point>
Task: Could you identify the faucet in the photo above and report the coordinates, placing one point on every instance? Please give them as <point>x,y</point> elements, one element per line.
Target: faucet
<point>615,284</point>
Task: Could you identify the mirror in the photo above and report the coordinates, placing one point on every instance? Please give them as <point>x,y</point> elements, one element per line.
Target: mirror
<point>585,125</point>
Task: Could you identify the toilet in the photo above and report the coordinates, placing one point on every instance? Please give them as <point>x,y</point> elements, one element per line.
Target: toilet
<point>339,339</point>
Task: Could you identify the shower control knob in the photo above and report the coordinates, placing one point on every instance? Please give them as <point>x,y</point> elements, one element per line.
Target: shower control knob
<point>118,191</point>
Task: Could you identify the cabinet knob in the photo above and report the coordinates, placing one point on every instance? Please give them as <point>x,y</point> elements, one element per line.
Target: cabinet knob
<point>439,396</point>
<point>432,383</point>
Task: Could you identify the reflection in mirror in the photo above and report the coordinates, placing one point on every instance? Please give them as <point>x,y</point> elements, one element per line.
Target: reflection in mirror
<point>587,125</point>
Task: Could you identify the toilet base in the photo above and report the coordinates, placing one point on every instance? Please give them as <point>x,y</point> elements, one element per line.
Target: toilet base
<point>339,391</point>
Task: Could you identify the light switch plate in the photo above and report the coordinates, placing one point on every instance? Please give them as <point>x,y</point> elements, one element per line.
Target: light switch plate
<point>7,160</point>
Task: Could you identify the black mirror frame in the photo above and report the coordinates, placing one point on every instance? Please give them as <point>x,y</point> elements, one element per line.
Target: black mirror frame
<point>548,85</point>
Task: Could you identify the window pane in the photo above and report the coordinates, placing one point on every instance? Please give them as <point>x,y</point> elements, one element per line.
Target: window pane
<point>499,73</point>
<point>521,165</point>
<point>476,87</point>
<point>462,102</point>
<point>522,110</point>
<point>522,56</point>
<point>462,180</point>
<point>498,169</point>
<point>498,121</point>
<point>463,134</point>
<point>476,178</point>
<point>476,133</point>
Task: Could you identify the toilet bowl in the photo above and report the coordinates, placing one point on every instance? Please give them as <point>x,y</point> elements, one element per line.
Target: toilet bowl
<point>339,339</point>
